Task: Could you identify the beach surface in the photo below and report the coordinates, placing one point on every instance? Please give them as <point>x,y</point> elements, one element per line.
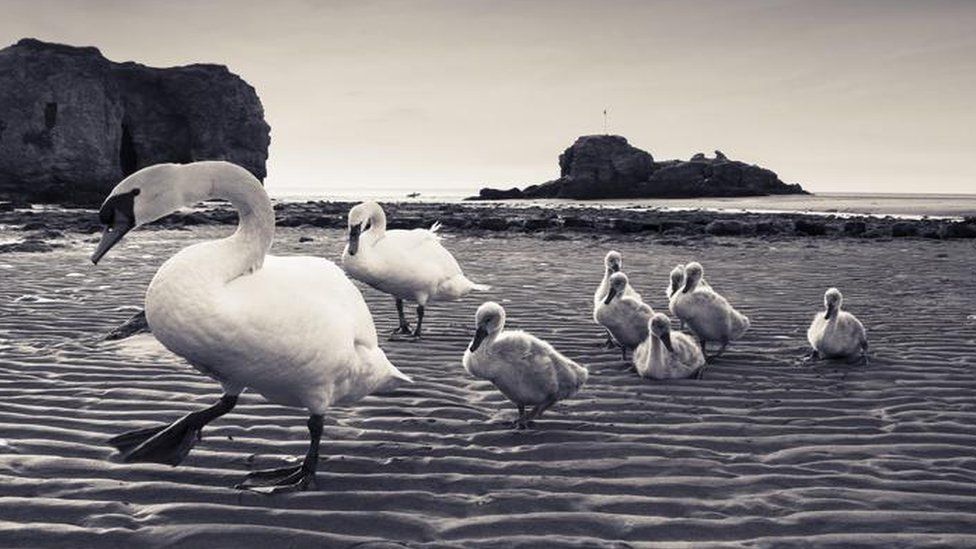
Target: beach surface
<point>766,451</point>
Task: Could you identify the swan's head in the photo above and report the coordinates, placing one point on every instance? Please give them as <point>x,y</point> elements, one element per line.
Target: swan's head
<point>618,283</point>
<point>677,278</point>
<point>833,299</point>
<point>143,197</point>
<point>613,261</point>
<point>361,219</point>
<point>490,319</point>
<point>693,275</point>
<point>660,327</point>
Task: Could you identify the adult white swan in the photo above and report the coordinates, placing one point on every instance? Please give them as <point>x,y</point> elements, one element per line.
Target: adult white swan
<point>613,262</point>
<point>836,333</point>
<point>625,318</point>
<point>406,264</point>
<point>525,368</point>
<point>707,313</point>
<point>666,354</point>
<point>293,329</point>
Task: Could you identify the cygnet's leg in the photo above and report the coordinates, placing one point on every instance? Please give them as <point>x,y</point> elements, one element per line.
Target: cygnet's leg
<point>294,478</point>
<point>404,327</point>
<point>623,353</point>
<point>540,409</point>
<point>169,444</point>
<point>521,422</point>
<point>719,353</point>
<point>609,343</point>
<point>813,356</point>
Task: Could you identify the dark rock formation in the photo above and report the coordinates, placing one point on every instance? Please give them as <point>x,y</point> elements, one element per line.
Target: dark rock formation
<point>606,166</point>
<point>73,124</point>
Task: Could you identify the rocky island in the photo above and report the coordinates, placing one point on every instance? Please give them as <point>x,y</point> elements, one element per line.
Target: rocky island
<point>607,166</point>
<point>73,123</point>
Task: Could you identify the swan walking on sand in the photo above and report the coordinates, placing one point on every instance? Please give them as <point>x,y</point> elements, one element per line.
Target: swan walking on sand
<point>409,265</point>
<point>523,367</point>
<point>625,318</point>
<point>293,329</point>
<point>708,314</point>
<point>666,354</point>
<point>613,262</point>
<point>835,333</point>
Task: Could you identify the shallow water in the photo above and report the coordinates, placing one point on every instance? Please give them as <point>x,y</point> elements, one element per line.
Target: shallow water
<point>766,450</point>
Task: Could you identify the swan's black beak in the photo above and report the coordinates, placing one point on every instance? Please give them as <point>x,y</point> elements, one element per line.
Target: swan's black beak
<point>479,335</point>
<point>118,217</point>
<point>666,340</point>
<point>610,294</point>
<point>830,312</point>
<point>354,239</point>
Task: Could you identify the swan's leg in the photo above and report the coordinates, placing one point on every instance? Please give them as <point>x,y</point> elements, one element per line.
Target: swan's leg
<point>700,373</point>
<point>521,422</point>
<point>420,320</point>
<point>289,479</point>
<point>169,444</point>
<point>404,327</point>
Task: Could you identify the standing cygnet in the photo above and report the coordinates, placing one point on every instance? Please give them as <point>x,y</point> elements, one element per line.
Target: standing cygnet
<point>612,263</point>
<point>707,313</point>
<point>666,354</point>
<point>624,317</point>
<point>836,333</point>
<point>525,368</point>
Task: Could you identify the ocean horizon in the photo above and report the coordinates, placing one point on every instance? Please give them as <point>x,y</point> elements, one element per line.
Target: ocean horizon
<point>903,205</point>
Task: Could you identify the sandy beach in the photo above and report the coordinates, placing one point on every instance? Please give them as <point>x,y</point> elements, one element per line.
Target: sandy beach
<point>767,451</point>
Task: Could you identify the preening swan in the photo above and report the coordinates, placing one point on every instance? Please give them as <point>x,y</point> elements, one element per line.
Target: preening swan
<point>625,318</point>
<point>676,281</point>
<point>666,354</point>
<point>525,368</point>
<point>293,329</point>
<point>708,314</point>
<point>613,262</point>
<point>409,265</point>
<point>835,333</point>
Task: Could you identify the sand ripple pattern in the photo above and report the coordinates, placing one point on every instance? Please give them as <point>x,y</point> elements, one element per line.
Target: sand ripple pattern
<point>766,452</point>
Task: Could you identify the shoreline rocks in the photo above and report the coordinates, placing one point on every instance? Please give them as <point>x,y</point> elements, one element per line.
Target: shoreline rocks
<point>607,166</point>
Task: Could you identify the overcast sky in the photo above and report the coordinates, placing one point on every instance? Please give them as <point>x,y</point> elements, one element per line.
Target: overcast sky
<point>848,95</point>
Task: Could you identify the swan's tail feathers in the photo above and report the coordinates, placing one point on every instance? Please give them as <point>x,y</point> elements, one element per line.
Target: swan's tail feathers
<point>435,227</point>
<point>458,287</point>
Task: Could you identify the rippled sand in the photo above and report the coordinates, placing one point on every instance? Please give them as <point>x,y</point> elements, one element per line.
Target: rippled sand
<point>767,451</point>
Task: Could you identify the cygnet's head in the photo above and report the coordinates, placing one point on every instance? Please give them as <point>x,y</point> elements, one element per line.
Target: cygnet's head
<point>361,219</point>
<point>693,275</point>
<point>660,327</point>
<point>833,300</point>
<point>618,283</point>
<point>677,278</point>
<point>613,261</point>
<point>489,319</point>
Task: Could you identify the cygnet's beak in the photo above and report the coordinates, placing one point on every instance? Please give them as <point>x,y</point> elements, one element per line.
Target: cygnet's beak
<point>479,335</point>
<point>610,294</point>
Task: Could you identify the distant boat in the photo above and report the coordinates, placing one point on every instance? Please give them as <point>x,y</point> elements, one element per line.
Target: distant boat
<point>413,195</point>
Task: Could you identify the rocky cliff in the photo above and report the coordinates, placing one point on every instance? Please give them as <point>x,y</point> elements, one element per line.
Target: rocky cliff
<point>73,124</point>
<point>606,166</point>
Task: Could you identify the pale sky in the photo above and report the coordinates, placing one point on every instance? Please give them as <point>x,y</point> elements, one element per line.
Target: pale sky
<point>847,95</point>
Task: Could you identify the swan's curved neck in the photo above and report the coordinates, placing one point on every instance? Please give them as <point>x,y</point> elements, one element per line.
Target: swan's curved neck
<point>248,246</point>
<point>377,222</point>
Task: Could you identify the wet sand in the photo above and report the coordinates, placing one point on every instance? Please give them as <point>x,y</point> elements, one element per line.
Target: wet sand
<point>766,451</point>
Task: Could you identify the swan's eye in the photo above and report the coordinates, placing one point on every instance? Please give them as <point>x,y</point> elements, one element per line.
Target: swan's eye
<point>136,191</point>
<point>367,226</point>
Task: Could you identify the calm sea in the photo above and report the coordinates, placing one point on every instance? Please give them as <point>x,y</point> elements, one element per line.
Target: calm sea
<point>879,204</point>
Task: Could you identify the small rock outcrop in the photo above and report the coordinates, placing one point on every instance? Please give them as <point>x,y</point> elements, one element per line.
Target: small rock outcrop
<point>607,166</point>
<point>73,123</point>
